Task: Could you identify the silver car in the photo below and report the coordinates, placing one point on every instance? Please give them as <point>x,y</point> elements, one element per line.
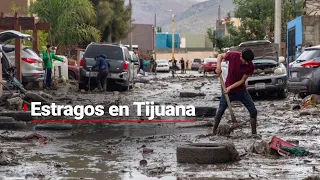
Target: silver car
<point>270,75</point>
<point>32,68</point>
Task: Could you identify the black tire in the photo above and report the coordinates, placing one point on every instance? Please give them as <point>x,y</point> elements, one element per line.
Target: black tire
<point>205,111</point>
<point>202,153</point>
<point>18,115</point>
<point>303,95</point>
<point>72,75</point>
<point>282,94</point>
<point>10,123</point>
<point>82,86</point>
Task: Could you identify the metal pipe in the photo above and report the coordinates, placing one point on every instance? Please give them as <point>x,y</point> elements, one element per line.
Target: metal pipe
<point>172,37</point>
<point>155,36</point>
<point>277,27</point>
<point>130,3</point>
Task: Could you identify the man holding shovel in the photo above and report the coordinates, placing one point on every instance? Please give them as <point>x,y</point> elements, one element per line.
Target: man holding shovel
<point>240,68</point>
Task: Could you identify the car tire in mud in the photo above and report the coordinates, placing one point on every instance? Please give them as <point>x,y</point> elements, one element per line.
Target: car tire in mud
<point>203,153</point>
<point>18,115</point>
<point>7,123</point>
<point>282,94</point>
<point>72,75</point>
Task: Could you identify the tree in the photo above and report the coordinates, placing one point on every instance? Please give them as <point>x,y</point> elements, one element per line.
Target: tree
<point>257,18</point>
<point>43,36</point>
<point>113,19</point>
<point>68,25</point>
<point>217,41</point>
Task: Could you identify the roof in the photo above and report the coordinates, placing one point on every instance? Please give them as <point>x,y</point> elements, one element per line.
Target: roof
<point>105,43</point>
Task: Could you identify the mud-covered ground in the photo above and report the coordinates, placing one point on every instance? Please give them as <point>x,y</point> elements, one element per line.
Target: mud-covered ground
<point>115,150</point>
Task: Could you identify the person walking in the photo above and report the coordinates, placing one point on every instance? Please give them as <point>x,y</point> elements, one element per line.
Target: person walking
<point>48,57</point>
<point>103,66</point>
<point>187,65</point>
<point>182,65</point>
<point>240,68</point>
<point>141,66</point>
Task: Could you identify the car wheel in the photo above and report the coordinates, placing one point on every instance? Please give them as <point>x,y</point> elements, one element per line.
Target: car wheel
<point>82,86</point>
<point>282,94</point>
<point>72,75</point>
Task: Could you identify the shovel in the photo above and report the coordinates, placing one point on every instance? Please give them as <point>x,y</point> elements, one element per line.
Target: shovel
<point>233,117</point>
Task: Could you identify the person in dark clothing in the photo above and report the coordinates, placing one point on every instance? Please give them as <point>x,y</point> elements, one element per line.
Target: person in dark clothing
<point>182,66</point>
<point>174,64</point>
<point>240,68</point>
<point>141,66</point>
<point>103,66</point>
<point>187,65</point>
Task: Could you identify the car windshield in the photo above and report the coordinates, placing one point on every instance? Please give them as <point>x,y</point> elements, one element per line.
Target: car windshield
<point>308,55</point>
<point>161,61</point>
<point>197,60</point>
<point>112,52</point>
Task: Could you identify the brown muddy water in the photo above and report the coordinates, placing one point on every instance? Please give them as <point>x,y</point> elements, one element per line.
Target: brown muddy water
<point>114,151</point>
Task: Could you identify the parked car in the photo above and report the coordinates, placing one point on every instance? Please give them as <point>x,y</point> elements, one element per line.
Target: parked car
<point>208,65</point>
<point>195,64</point>
<point>31,65</point>
<point>121,72</point>
<point>304,77</point>
<point>270,75</point>
<point>162,65</point>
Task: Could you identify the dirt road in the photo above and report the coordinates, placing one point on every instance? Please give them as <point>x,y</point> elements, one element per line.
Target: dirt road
<point>115,151</point>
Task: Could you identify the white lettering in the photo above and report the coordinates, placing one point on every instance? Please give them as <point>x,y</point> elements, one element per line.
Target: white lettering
<point>114,110</point>
<point>191,111</point>
<point>46,110</point>
<point>53,109</point>
<point>89,110</point>
<point>170,111</point>
<point>99,110</point>
<point>78,112</point>
<point>68,110</point>
<point>139,104</point>
<point>34,108</point>
<point>125,109</point>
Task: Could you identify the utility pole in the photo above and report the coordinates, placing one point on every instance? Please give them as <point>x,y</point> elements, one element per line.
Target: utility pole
<point>172,37</point>
<point>155,36</point>
<point>277,27</point>
<point>130,25</point>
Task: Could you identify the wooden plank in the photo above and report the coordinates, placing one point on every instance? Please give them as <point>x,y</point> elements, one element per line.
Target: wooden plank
<point>43,26</point>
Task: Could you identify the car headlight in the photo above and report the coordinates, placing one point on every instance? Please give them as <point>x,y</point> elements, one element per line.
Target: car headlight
<point>280,70</point>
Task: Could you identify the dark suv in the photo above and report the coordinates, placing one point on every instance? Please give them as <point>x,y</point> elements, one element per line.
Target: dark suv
<point>121,72</point>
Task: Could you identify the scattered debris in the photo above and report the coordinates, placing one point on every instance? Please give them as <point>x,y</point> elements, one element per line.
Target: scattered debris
<point>205,111</point>
<point>8,158</point>
<point>147,150</point>
<point>15,103</point>
<point>11,124</point>
<point>191,94</point>
<point>54,126</point>
<point>261,147</point>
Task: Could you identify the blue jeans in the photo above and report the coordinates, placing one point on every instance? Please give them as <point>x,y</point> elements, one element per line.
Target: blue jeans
<point>47,77</point>
<point>244,98</point>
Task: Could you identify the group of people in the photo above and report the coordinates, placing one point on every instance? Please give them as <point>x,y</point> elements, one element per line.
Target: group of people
<point>183,64</point>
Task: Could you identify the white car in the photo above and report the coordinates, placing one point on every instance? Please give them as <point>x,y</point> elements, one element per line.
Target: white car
<point>163,65</point>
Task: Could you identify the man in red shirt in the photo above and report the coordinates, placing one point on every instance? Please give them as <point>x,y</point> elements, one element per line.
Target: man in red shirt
<point>240,68</point>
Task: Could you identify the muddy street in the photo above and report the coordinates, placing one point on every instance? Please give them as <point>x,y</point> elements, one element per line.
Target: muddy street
<point>148,150</point>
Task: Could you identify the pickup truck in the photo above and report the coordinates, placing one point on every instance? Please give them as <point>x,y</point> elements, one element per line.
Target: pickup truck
<point>121,72</point>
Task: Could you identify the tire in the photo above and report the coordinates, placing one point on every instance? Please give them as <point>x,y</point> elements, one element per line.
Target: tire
<point>282,94</point>
<point>303,95</point>
<point>72,75</point>
<point>203,153</point>
<point>10,123</point>
<point>17,115</point>
<point>83,86</point>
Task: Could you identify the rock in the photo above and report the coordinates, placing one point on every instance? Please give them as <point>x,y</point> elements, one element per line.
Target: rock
<point>14,103</point>
<point>54,126</point>
<point>305,113</point>
<point>18,115</point>
<point>8,159</point>
<point>261,147</point>
<point>143,163</point>
<point>45,95</point>
<point>296,107</point>
<point>11,123</point>
<point>205,111</point>
<point>191,94</point>
<point>147,150</point>
<point>30,96</point>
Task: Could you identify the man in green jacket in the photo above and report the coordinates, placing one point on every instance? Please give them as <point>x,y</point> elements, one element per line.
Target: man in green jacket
<point>48,57</point>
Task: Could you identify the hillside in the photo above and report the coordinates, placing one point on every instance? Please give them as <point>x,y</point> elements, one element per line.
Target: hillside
<point>144,10</point>
<point>198,17</point>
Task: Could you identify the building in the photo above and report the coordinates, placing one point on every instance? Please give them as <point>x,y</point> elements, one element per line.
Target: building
<point>22,5</point>
<point>164,40</point>
<point>236,23</point>
<point>142,37</point>
<point>197,41</point>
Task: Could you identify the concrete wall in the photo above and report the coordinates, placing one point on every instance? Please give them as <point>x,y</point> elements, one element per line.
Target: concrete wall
<point>143,36</point>
<point>197,41</point>
<point>311,30</point>
<point>185,54</point>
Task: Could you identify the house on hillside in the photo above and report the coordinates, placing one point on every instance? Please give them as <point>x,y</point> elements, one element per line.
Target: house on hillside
<point>197,41</point>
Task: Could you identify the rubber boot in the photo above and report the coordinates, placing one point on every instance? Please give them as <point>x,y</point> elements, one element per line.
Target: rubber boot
<point>253,126</point>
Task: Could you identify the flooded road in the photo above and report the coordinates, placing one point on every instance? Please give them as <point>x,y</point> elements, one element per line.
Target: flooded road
<point>117,150</point>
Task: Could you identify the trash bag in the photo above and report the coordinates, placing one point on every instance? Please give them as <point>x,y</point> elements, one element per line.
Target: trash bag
<point>297,151</point>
